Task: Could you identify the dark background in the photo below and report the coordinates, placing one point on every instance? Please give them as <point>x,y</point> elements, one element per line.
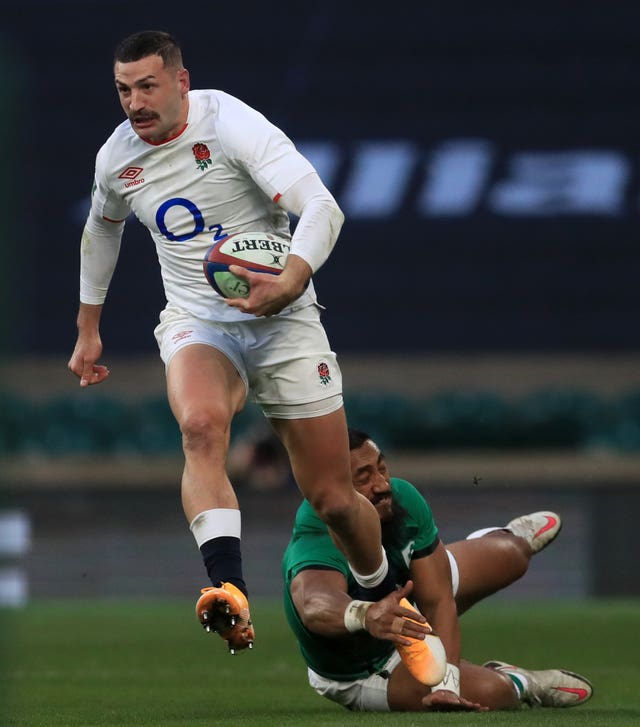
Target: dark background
<point>486,157</point>
<point>507,78</point>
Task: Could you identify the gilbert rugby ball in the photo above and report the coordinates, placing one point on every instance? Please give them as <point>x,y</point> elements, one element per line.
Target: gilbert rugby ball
<point>260,252</point>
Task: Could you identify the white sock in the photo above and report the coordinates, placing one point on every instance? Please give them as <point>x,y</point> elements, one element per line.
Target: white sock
<point>483,531</point>
<point>519,681</point>
<point>215,523</point>
<point>373,579</point>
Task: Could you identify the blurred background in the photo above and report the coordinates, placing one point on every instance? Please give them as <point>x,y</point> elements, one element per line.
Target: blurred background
<point>483,298</point>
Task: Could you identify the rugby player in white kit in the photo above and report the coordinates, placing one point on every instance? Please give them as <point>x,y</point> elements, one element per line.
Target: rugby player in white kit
<point>194,166</point>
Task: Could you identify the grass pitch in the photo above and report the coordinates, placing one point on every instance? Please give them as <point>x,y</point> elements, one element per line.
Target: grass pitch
<point>99,663</point>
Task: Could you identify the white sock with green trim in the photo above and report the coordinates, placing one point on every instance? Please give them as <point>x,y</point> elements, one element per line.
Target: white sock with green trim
<point>520,683</point>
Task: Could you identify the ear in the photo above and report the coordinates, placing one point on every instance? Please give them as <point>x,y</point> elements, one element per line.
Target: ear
<point>183,81</point>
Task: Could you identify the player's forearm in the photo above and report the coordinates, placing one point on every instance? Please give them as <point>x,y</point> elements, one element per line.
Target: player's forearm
<point>444,620</point>
<point>324,614</point>
<point>320,220</point>
<point>296,275</point>
<point>434,597</point>
<point>321,598</point>
<point>98,257</point>
<point>88,320</point>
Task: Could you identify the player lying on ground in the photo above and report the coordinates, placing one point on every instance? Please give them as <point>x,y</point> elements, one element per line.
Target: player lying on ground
<point>351,646</point>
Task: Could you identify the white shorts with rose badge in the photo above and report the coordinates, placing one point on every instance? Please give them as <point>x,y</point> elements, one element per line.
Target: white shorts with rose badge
<point>285,361</point>
<point>369,694</point>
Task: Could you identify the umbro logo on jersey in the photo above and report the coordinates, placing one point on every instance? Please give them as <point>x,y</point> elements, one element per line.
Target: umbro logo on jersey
<point>132,174</point>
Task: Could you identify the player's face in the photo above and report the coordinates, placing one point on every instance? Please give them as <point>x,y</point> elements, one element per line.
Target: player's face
<point>153,96</point>
<point>371,478</point>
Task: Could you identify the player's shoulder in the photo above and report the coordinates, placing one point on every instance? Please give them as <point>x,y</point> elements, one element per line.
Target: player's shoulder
<point>221,105</point>
<point>400,486</point>
<point>118,147</point>
<point>122,135</point>
<point>408,495</point>
<point>237,124</point>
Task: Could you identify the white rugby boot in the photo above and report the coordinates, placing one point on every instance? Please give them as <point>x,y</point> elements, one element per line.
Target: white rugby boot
<point>538,528</point>
<point>546,688</point>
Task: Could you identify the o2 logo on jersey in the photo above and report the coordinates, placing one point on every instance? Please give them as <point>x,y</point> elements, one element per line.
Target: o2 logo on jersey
<point>198,219</point>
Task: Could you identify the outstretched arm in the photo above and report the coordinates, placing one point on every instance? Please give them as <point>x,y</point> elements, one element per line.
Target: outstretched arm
<point>321,600</point>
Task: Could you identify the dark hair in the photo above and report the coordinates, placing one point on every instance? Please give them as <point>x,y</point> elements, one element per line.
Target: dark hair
<point>149,43</point>
<point>357,438</point>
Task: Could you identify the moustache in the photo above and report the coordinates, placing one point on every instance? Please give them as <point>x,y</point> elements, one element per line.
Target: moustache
<point>384,497</point>
<point>143,117</point>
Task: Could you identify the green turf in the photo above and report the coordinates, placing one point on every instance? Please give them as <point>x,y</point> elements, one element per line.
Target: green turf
<point>148,663</point>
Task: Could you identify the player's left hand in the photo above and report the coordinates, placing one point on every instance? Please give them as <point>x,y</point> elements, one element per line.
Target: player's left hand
<point>443,700</point>
<point>387,619</point>
<point>270,294</point>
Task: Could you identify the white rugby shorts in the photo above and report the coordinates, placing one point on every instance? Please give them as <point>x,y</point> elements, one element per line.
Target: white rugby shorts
<point>285,361</point>
<point>363,695</point>
<point>370,694</point>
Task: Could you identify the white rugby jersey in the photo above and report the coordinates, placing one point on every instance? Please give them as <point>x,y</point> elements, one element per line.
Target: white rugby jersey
<point>222,174</point>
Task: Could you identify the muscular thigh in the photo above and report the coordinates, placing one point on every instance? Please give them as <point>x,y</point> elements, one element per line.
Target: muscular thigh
<point>201,379</point>
<point>319,452</point>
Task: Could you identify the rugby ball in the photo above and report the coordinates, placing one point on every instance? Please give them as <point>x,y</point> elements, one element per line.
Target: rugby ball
<point>260,252</point>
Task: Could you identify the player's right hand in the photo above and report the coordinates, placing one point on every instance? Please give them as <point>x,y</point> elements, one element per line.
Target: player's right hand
<point>83,363</point>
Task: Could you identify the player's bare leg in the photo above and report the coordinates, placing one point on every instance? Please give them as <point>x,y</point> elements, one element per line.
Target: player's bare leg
<point>478,685</point>
<point>496,685</point>
<point>205,391</point>
<point>319,455</point>
<point>487,565</point>
<point>492,558</point>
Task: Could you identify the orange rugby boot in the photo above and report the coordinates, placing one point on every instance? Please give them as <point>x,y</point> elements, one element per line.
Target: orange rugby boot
<point>426,659</point>
<point>225,609</point>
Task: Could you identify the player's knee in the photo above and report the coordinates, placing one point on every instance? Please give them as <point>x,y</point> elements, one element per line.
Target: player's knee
<point>333,508</point>
<point>203,430</point>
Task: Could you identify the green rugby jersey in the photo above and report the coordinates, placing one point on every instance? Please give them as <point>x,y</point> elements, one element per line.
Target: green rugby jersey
<point>414,535</point>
